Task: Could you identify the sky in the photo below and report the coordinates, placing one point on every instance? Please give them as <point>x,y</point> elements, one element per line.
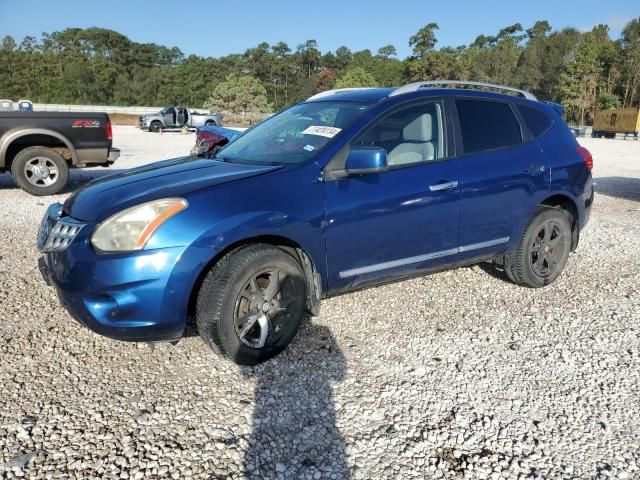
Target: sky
<point>220,27</point>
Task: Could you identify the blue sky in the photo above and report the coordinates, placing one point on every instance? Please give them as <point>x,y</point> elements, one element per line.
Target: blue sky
<point>219,27</point>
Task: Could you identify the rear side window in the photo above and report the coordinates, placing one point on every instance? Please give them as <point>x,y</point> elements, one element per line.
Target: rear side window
<point>537,121</point>
<point>487,125</point>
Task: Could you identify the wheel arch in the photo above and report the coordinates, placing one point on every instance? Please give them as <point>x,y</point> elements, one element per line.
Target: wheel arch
<point>293,248</point>
<point>565,202</point>
<point>11,138</point>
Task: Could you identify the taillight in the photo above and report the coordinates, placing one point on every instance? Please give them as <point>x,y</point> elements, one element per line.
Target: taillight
<point>586,156</point>
<point>109,133</point>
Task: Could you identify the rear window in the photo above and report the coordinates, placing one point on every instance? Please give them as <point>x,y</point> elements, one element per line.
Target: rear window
<point>537,121</point>
<point>487,125</point>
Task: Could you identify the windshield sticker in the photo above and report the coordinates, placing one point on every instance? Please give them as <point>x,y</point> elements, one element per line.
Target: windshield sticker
<point>322,131</point>
<point>309,148</point>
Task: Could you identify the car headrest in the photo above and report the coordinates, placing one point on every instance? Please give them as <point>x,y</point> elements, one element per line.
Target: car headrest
<point>419,130</point>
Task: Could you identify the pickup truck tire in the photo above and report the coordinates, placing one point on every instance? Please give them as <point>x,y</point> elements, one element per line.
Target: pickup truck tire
<point>543,250</point>
<point>155,127</point>
<point>211,122</point>
<point>40,171</point>
<point>251,303</point>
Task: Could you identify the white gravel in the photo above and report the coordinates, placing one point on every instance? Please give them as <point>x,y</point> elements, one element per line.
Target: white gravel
<point>459,374</point>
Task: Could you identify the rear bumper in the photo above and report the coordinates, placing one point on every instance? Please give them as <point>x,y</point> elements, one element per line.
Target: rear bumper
<point>114,154</point>
<point>89,157</point>
<point>585,202</point>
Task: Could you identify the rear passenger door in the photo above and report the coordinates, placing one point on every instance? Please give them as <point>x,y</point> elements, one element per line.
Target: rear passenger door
<point>503,172</point>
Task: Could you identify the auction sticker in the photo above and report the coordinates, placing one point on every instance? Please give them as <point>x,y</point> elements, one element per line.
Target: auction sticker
<point>322,131</point>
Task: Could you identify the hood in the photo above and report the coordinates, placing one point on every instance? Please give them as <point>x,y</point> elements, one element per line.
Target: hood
<point>171,178</point>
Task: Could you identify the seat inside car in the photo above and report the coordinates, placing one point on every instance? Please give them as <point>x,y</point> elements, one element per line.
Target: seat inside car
<point>417,142</point>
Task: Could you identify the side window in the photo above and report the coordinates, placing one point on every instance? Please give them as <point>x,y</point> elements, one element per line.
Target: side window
<point>537,121</point>
<point>487,125</point>
<point>411,135</point>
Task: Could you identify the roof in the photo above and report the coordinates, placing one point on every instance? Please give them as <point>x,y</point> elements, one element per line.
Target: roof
<point>427,88</point>
<point>353,95</point>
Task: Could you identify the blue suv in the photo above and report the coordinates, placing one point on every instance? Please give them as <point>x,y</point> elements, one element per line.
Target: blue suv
<point>348,189</point>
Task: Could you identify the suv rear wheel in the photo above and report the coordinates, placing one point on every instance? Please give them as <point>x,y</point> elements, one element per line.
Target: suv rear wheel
<point>543,250</point>
<point>40,171</point>
<point>251,303</point>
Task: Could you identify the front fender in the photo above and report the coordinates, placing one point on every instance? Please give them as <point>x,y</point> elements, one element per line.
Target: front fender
<point>261,225</point>
<point>285,204</point>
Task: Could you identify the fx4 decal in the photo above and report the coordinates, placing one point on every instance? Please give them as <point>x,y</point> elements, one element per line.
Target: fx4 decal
<point>85,124</point>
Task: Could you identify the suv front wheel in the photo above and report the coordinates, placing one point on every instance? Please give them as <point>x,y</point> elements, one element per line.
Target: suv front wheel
<point>543,250</point>
<point>251,303</point>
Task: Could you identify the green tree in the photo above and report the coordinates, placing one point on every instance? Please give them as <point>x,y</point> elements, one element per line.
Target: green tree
<point>630,63</point>
<point>356,77</point>
<point>581,75</point>
<point>387,51</point>
<point>608,100</point>
<point>240,95</point>
<point>424,41</point>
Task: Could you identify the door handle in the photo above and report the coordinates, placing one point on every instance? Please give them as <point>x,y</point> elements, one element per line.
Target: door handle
<point>535,170</point>
<point>443,186</point>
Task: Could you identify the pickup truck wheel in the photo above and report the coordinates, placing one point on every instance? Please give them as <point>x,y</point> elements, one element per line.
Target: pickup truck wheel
<point>211,122</point>
<point>40,171</point>
<point>155,127</point>
<point>543,250</point>
<point>251,303</point>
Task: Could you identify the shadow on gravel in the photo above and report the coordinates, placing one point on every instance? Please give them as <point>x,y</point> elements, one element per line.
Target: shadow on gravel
<point>294,430</point>
<point>493,270</point>
<point>627,188</point>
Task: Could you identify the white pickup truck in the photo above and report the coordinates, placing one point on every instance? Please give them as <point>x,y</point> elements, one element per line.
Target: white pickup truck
<point>172,117</point>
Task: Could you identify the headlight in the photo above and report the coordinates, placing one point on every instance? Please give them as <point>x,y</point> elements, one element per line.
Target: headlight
<point>130,229</point>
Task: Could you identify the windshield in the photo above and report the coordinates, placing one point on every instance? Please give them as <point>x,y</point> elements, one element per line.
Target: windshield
<point>294,135</point>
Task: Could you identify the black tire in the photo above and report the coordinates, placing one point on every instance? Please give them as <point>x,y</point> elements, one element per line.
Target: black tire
<point>228,312</point>
<point>543,250</point>
<point>40,171</point>
<point>155,127</point>
<point>211,122</point>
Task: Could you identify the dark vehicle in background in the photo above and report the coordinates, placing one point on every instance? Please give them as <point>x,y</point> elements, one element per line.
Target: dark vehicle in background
<point>349,189</point>
<point>39,148</point>
<point>172,117</point>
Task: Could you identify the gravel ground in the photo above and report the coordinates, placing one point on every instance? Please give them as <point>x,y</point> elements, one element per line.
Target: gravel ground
<point>459,374</point>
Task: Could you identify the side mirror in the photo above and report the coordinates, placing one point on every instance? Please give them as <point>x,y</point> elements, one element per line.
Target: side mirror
<point>364,160</point>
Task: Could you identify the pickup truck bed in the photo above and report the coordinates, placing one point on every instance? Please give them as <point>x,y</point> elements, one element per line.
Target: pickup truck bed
<point>39,148</point>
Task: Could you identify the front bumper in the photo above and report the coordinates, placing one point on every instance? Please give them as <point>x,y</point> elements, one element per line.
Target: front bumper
<point>133,296</point>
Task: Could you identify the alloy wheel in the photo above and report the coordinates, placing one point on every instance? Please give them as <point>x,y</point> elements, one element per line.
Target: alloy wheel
<point>548,249</point>
<point>262,308</point>
<point>41,172</point>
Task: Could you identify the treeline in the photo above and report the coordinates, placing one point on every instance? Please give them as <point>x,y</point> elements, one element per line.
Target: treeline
<point>582,70</point>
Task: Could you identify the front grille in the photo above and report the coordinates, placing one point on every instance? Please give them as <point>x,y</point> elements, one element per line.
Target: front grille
<point>56,232</point>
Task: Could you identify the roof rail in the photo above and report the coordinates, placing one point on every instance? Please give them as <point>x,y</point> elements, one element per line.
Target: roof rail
<point>415,86</point>
<point>337,90</point>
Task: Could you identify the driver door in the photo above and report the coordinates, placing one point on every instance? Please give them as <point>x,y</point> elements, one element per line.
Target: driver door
<point>169,117</point>
<point>401,220</point>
